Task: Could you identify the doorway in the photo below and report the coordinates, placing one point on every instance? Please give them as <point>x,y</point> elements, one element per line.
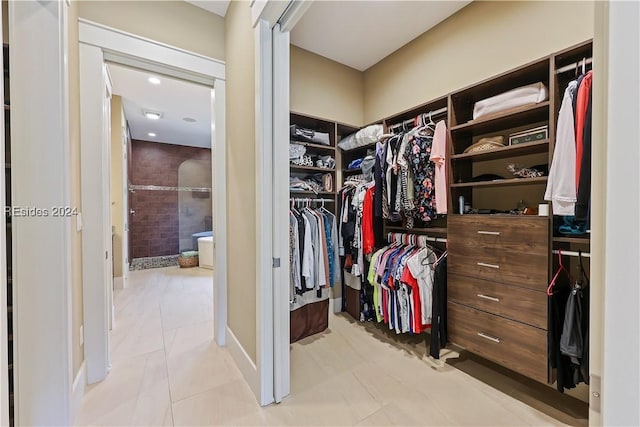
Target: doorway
<point>126,53</point>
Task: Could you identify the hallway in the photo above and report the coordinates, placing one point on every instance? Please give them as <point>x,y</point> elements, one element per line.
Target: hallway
<point>166,370</point>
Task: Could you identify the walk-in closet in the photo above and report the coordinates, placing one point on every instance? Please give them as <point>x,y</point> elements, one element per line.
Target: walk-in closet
<point>463,229</point>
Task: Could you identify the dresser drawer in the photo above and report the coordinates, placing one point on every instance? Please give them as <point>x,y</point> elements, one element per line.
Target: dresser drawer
<point>524,305</point>
<point>514,345</point>
<point>517,233</point>
<point>511,250</point>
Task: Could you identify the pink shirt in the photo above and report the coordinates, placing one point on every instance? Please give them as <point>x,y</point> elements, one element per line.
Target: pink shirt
<point>439,158</point>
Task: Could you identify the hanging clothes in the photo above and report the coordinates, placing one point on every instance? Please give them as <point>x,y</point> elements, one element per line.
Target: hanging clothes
<point>561,185</point>
<point>424,174</point>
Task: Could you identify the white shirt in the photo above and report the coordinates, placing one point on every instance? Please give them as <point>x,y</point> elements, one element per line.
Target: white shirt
<point>561,185</point>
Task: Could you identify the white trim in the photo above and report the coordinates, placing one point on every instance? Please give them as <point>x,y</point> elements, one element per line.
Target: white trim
<point>620,389</point>
<point>95,292</point>
<point>243,360</point>
<point>219,188</point>
<point>264,205</point>
<point>4,350</point>
<point>42,297</point>
<point>139,48</point>
<point>280,307</point>
<point>293,14</point>
<point>268,11</point>
<point>126,48</point>
<point>77,390</point>
<point>118,282</point>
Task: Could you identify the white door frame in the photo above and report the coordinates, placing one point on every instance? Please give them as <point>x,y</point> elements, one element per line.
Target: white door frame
<point>41,244</point>
<point>4,350</point>
<point>98,44</point>
<point>272,139</point>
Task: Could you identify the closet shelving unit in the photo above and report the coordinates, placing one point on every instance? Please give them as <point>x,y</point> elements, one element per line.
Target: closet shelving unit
<point>438,226</point>
<point>8,248</point>
<point>336,131</point>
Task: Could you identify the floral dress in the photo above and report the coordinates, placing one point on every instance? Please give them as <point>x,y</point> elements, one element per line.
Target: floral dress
<point>424,177</point>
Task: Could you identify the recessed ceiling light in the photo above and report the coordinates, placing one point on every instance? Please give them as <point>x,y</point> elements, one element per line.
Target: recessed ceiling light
<point>189,119</point>
<point>151,134</point>
<point>154,80</point>
<point>153,115</point>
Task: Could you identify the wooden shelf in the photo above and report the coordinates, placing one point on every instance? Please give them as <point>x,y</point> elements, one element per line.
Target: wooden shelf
<point>524,149</point>
<point>351,171</point>
<point>7,107</point>
<point>511,118</point>
<point>321,193</point>
<point>423,230</point>
<point>361,148</point>
<point>501,182</point>
<point>309,168</point>
<point>315,146</point>
<point>584,240</point>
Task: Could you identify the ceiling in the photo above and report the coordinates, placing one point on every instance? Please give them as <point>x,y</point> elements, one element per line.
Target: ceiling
<point>175,99</point>
<point>361,33</point>
<point>219,7</point>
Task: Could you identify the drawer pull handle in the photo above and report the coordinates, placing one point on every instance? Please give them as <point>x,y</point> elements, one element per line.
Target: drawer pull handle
<point>490,233</point>
<point>489,337</point>
<point>489,298</point>
<point>482,264</point>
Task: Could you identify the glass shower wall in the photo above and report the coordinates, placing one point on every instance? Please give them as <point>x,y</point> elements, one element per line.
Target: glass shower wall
<point>194,202</point>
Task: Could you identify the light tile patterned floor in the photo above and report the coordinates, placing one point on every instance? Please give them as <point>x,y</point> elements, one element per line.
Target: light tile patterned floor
<point>166,370</point>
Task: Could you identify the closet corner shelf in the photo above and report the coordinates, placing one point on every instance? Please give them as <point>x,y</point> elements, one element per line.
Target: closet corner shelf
<point>416,230</point>
<point>351,171</point>
<point>584,240</point>
<point>511,118</point>
<point>309,168</point>
<point>359,149</point>
<point>315,146</point>
<point>307,193</point>
<point>524,149</point>
<point>501,182</point>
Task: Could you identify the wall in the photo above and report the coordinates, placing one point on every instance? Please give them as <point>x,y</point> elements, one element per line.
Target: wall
<point>339,98</point>
<point>117,220</point>
<point>155,226</point>
<point>176,23</point>
<point>480,41</point>
<point>77,316</point>
<point>241,176</point>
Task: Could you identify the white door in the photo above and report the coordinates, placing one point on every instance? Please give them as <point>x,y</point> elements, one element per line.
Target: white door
<point>125,201</point>
<point>106,191</point>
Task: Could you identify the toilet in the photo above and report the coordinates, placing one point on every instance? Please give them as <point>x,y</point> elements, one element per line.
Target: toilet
<point>206,252</point>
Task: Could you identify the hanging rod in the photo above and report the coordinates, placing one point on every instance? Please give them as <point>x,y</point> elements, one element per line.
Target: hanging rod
<point>311,200</point>
<point>582,62</point>
<point>415,237</point>
<point>572,253</point>
<point>410,121</point>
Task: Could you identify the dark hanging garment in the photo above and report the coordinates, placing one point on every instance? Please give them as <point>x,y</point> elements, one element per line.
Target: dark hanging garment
<point>378,221</point>
<point>561,363</point>
<point>438,337</point>
<point>394,145</point>
<point>584,183</point>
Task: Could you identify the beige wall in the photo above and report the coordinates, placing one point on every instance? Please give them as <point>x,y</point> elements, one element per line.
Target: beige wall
<point>241,193</point>
<point>117,219</point>
<point>176,23</point>
<point>326,89</point>
<point>481,40</point>
<point>77,317</point>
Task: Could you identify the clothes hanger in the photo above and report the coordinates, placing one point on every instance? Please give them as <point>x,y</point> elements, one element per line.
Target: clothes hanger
<point>561,268</point>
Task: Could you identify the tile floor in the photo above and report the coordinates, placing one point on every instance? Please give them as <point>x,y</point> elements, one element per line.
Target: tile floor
<point>166,370</point>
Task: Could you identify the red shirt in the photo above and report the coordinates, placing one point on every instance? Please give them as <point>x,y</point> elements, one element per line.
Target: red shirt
<point>368,240</point>
<point>582,102</point>
<point>408,278</point>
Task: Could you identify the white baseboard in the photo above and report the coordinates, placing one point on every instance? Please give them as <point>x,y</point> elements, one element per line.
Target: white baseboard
<point>336,305</point>
<point>77,390</point>
<point>245,364</point>
<point>118,283</point>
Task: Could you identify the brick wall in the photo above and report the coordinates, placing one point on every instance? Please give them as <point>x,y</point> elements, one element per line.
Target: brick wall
<point>154,229</point>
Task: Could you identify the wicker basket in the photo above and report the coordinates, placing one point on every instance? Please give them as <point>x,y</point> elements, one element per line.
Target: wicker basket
<point>186,262</point>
